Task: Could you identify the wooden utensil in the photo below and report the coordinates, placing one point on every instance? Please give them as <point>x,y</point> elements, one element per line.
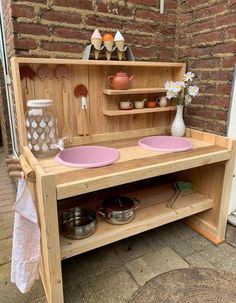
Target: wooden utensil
<point>62,73</point>
<point>66,131</point>
<point>83,121</point>
<point>183,187</point>
<point>174,197</point>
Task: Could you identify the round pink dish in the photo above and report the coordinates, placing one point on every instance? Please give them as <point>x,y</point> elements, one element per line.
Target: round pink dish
<point>166,143</point>
<point>87,156</point>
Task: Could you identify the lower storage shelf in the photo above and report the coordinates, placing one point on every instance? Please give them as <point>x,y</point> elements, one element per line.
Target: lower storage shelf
<point>152,213</point>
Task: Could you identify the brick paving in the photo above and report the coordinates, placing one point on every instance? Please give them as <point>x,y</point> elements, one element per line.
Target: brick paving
<point>111,274</point>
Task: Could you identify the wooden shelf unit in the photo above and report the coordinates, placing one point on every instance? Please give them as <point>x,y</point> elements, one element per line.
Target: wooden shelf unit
<point>209,165</point>
<point>152,213</point>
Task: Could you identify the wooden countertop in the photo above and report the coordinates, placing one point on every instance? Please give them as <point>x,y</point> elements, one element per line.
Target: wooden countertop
<point>135,163</point>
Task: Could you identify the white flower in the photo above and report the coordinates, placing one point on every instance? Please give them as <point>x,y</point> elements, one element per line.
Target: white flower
<point>188,99</point>
<point>193,90</point>
<point>181,83</point>
<point>176,87</point>
<point>170,94</point>
<point>189,76</point>
<point>168,85</point>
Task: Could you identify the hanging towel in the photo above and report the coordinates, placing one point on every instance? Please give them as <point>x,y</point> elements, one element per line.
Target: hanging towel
<point>26,240</point>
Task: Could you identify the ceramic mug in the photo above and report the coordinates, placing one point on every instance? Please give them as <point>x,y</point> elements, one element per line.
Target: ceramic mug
<point>139,104</point>
<point>126,105</point>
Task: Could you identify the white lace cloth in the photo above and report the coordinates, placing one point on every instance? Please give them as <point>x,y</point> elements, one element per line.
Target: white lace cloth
<point>26,240</point>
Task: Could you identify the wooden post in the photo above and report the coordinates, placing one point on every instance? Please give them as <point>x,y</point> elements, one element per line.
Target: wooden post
<point>50,267</point>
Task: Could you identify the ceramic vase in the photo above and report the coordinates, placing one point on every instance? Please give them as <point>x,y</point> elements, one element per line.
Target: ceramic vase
<point>178,126</point>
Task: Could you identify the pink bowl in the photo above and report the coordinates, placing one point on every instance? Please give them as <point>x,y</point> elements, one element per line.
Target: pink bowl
<point>87,156</point>
<point>165,143</point>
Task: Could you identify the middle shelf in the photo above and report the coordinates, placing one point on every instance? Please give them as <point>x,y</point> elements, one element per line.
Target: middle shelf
<point>120,112</point>
<point>152,213</point>
<point>130,91</point>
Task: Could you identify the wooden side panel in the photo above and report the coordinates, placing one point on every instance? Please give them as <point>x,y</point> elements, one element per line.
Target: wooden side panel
<point>50,267</point>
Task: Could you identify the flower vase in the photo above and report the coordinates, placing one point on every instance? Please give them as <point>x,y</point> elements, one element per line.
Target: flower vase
<point>178,126</point>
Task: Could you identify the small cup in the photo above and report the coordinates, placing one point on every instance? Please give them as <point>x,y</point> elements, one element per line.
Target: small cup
<point>126,105</point>
<point>139,104</point>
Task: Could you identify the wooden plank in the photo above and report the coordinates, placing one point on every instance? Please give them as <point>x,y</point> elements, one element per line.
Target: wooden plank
<point>152,215</point>
<point>96,62</point>
<point>50,248</point>
<point>131,91</point>
<point>138,111</point>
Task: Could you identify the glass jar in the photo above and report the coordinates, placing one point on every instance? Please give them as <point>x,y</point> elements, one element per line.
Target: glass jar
<point>41,128</point>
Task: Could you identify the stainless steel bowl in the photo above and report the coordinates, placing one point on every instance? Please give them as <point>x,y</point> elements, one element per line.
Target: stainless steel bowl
<point>78,223</point>
<point>118,209</point>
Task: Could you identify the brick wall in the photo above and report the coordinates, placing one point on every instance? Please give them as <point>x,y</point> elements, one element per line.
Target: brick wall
<point>206,37</point>
<point>4,120</point>
<point>61,28</point>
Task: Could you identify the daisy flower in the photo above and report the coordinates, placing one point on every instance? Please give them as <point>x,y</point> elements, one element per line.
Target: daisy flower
<point>169,85</point>
<point>189,76</point>
<point>176,87</point>
<point>193,90</point>
<point>188,99</point>
<point>170,94</point>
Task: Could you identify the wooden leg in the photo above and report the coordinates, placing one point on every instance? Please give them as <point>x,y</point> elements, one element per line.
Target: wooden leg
<point>50,267</point>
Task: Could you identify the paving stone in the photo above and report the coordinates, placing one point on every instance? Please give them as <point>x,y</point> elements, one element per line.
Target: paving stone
<point>181,230</point>
<point>153,264</point>
<point>153,240</point>
<point>131,248</point>
<point>86,265</point>
<point>114,286</point>
<point>11,294</point>
<point>231,235</point>
<point>199,243</point>
<point>76,294</point>
<point>222,256</point>
<point>196,260</point>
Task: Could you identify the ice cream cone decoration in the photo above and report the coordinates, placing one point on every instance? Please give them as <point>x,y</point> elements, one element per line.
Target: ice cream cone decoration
<point>96,41</point>
<point>119,42</point>
<point>108,43</point>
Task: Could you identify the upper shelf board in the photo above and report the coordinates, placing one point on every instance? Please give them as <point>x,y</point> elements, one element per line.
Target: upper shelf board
<point>134,91</point>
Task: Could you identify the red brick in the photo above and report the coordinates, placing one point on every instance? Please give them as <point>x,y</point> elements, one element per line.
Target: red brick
<point>224,88</point>
<point>168,55</point>
<point>62,17</point>
<point>101,21</point>
<point>172,18</point>
<point>167,30</point>
<point>215,127</point>
<point>224,47</point>
<point>186,17</point>
<point>225,20</point>
<point>141,27</point>
<point>208,37</point>
<point>146,53</point>
<point>146,40</point>
<point>229,62</point>
<point>206,63</point>
<point>64,32</point>
<point>29,28</point>
<point>22,11</point>
<point>210,11</point>
<point>209,88</point>
<point>216,75</point>
<point>146,2</point>
<point>231,32</point>
<point>62,47</point>
<point>222,102</point>
<point>170,4</point>
<point>232,3</point>
<point>199,26</point>
<point>80,4</point>
<point>25,43</point>
<point>148,15</point>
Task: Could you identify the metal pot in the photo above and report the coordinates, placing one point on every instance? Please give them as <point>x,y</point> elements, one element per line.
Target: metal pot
<point>118,209</point>
<point>78,223</point>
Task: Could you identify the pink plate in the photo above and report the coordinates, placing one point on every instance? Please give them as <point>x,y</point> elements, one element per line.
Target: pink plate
<point>87,156</point>
<point>166,143</point>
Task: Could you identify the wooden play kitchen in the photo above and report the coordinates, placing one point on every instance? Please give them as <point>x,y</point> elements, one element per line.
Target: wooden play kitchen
<point>142,173</point>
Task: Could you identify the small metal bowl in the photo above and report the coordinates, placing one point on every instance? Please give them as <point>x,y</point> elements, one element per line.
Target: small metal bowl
<point>78,223</point>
